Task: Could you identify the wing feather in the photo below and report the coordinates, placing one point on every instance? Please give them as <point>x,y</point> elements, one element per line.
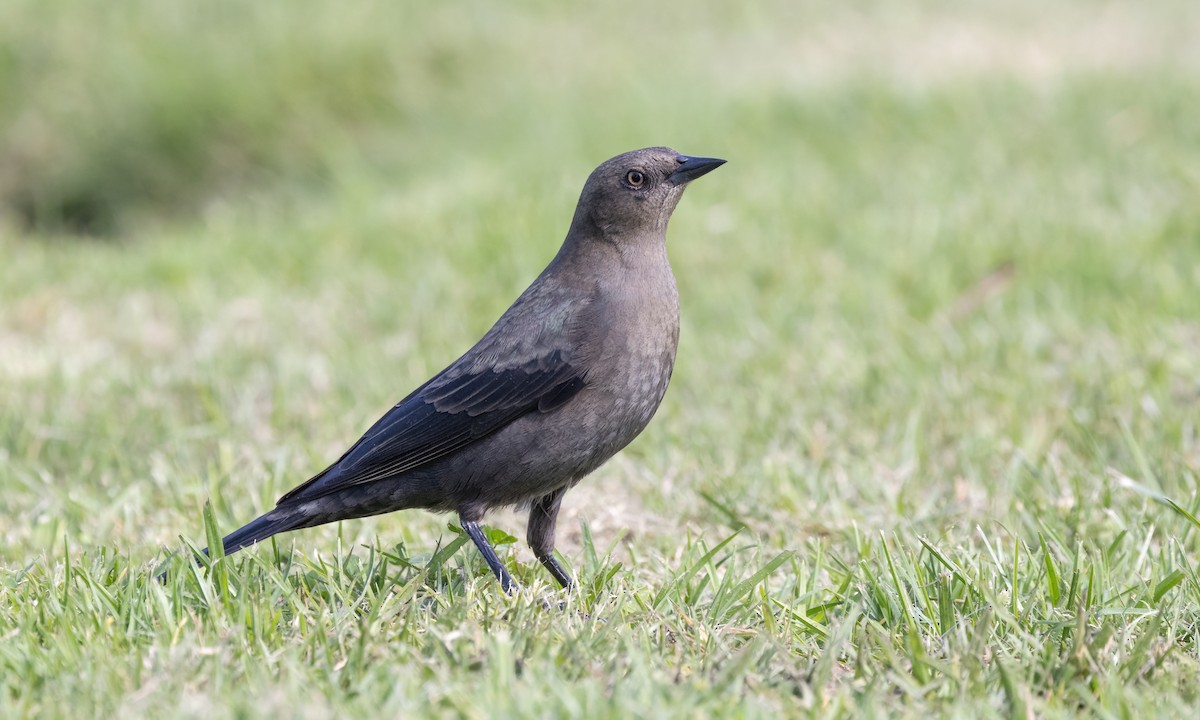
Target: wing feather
<point>455,409</point>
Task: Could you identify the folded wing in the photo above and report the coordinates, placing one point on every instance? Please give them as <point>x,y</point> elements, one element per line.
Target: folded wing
<point>455,409</point>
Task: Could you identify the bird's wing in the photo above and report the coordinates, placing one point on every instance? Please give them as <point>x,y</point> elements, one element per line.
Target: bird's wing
<point>456,408</point>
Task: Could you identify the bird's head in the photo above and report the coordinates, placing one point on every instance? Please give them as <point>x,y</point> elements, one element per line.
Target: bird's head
<point>633,194</point>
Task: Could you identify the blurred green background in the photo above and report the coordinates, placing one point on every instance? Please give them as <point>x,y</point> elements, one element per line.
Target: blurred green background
<point>946,286</point>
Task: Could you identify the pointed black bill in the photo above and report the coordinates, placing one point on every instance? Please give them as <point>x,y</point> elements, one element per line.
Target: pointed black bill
<point>691,168</point>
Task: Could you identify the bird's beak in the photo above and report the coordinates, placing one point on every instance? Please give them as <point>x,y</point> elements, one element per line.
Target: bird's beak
<point>691,168</point>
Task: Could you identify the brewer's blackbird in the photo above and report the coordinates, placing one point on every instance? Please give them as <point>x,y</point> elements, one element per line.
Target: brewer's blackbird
<point>569,375</point>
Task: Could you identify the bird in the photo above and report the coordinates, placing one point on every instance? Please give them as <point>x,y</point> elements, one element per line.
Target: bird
<point>569,375</point>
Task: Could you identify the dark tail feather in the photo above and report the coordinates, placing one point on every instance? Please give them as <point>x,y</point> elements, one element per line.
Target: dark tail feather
<point>255,531</point>
<point>258,530</point>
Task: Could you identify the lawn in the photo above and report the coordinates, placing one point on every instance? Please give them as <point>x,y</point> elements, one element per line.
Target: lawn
<point>932,446</point>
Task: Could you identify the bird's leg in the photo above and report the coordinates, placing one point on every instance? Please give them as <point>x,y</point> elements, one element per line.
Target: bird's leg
<point>485,549</point>
<point>543,516</point>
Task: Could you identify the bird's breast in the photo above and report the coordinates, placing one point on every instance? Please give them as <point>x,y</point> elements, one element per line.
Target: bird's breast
<point>631,356</point>
<point>624,341</point>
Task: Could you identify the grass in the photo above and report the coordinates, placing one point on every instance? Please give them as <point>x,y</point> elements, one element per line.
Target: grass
<point>931,446</point>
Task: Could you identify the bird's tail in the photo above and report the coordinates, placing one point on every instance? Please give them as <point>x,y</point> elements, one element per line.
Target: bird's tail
<point>257,530</point>
<point>260,529</point>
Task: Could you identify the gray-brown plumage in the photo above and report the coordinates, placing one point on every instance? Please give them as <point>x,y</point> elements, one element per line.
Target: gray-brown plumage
<point>569,375</point>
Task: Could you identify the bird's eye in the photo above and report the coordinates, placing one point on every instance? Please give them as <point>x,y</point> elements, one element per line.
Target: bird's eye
<point>635,179</point>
